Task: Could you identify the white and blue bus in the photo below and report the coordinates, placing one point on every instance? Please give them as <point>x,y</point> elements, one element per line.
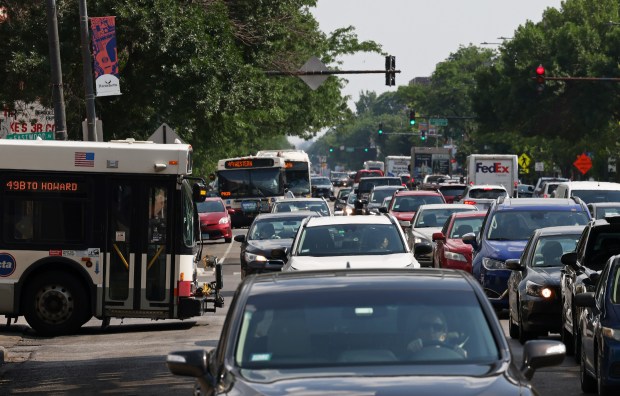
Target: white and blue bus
<point>100,229</point>
<point>296,169</point>
<point>250,185</point>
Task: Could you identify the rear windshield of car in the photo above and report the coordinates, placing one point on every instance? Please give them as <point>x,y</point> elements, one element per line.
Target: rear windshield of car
<point>484,193</point>
<point>367,185</point>
<point>295,206</point>
<point>509,225</point>
<point>435,217</point>
<point>360,325</point>
<point>274,228</point>
<point>590,196</point>
<point>210,206</point>
<point>411,203</point>
<point>451,191</point>
<point>350,240</point>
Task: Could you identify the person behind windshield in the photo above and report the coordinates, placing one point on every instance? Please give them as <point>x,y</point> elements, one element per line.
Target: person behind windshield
<point>432,332</point>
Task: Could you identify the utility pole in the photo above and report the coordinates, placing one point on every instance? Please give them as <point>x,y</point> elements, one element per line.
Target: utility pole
<point>60,122</point>
<point>89,93</point>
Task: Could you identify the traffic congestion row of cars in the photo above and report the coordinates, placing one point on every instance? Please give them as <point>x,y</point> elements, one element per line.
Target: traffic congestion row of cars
<point>545,261</point>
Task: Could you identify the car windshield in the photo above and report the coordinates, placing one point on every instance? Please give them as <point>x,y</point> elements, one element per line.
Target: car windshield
<point>435,217</point>
<point>411,203</point>
<point>509,225</point>
<point>321,181</point>
<point>351,198</point>
<point>350,240</point>
<point>343,192</point>
<point>487,193</point>
<point>297,205</point>
<point>280,228</point>
<point>361,325</point>
<point>377,196</point>
<point>210,206</point>
<point>607,211</point>
<point>549,249</point>
<point>465,225</point>
<point>590,196</point>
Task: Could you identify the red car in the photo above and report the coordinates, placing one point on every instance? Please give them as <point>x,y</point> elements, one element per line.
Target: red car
<point>405,203</point>
<point>214,219</point>
<point>450,251</point>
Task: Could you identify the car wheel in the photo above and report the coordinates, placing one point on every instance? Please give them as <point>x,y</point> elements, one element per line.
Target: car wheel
<point>588,383</point>
<point>602,389</point>
<point>576,341</point>
<point>227,240</point>
<point>513,328</point>
<point>56,303</point>
<point>523,334</point>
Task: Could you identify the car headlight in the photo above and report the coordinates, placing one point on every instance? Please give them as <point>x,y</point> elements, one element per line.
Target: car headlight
<point>454,256</point>
<point>254,257</point>
<point>536,290</point>
<point>610,333</point>
<point>492,264</point>
<point>224,220</point>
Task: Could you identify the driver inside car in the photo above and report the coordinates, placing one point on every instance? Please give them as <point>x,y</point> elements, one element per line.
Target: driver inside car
<point>432,332</point>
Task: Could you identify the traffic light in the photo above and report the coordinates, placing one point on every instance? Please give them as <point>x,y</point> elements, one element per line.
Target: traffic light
<point>365,149</point>
<point>422,135</point>
<point>412,117</point>
<point>390,66</point>
<point>380,130</point>
<point>331,149</point>
<point>540,78</point>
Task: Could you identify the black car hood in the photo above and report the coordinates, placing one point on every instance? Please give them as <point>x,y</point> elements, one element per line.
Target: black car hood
<point>354,382</point>
<point>267,245</point>
<point>550,275</point>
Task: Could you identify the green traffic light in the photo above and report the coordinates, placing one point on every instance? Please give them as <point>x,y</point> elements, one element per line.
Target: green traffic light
<point>380,129</point>
<point>366,149</point>
<point>331,149</point>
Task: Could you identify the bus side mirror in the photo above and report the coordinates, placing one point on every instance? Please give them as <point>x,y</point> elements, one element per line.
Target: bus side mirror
<point>199,192</point>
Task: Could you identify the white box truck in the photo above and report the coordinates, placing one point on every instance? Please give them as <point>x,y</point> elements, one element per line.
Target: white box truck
<point>397,164</point>
<point>497,169</point>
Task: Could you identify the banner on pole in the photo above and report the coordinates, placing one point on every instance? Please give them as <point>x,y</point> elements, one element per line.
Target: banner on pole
<point>105,61</point>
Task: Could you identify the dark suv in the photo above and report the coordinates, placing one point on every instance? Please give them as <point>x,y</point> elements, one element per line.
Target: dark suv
<point>599,241</point>
<point>505,231</point>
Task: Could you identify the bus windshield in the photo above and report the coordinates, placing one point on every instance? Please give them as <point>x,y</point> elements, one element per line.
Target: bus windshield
<point>298,181</point>
<point>259,182</point>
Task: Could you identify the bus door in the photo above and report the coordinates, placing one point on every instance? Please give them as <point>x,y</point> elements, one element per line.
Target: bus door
<point>138,263</point>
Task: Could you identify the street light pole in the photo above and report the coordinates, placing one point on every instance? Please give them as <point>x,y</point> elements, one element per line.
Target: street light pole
<point>89,93</point>
<point>60,123</point>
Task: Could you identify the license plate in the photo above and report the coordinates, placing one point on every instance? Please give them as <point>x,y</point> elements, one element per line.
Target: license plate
<point>249,206</point>
<point>205,236</point>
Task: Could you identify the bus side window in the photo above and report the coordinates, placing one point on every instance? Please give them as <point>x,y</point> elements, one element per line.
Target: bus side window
<point>24,227</point>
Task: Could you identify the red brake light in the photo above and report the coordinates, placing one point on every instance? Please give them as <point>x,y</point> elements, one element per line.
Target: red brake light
<point>469,202</point>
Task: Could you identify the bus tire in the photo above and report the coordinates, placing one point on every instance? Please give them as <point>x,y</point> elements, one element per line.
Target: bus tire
<point>55,303</point>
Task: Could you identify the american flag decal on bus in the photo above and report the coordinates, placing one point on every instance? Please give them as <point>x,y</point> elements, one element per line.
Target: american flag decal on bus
<point>84,159</point>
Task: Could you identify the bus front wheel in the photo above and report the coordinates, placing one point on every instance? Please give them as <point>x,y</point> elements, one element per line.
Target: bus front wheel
<point>55,303</point>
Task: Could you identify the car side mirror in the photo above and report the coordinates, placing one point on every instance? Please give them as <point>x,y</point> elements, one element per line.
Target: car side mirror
<point>570,259</point>
<point>541,353</point>
<point>383,209</point>
<point>240,238</point>
<point>514,264</point>
<point>584,299</point>
<point>278,254</point>
<point>422,248</point>
<point>438,236</point>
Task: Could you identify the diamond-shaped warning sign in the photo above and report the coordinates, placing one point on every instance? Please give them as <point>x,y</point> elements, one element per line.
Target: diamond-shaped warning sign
<point>583,163</point>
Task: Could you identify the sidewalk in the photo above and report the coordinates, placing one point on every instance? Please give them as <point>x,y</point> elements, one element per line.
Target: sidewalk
<point>6,343</point>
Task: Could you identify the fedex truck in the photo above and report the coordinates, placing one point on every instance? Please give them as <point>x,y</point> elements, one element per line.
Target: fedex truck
<point>497,169</point>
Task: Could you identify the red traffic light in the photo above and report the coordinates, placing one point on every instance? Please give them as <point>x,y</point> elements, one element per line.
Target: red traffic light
<point>540,70</point>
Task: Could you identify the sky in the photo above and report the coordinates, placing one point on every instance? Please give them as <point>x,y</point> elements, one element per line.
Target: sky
<point>419,33</point>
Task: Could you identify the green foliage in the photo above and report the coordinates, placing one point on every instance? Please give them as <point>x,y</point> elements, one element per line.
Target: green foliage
<point>197,65</point>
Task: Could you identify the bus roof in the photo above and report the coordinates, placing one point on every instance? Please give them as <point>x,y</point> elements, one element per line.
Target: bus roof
<point>289,155</point>
<point>119,156</point>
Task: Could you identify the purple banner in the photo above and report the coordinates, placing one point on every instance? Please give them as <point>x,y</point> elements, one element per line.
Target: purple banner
<point>105,61</point>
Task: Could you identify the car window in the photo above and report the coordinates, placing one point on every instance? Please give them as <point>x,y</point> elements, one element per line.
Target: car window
<point>274,229</point>
<point>549,249</point>
<point>295,206</point>
<point>378,196</point>
<point>435,217</point>
<point>210,206</point>
<point>411,203</point>
<point>508,225</point>
<point>350,240</point>
<point>608,211</point>
<point>334,327</point>
<point>464,226</point>
<point>490,193</point>
<point>589,196</point>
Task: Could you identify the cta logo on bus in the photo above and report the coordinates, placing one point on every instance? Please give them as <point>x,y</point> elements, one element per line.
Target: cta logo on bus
<point>7,264</point>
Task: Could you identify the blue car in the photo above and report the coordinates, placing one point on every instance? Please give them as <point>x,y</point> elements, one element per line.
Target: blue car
<point>505,231</point>
<point>600,332</point>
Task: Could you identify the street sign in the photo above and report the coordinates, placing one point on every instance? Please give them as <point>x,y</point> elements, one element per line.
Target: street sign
<point>439,121</point>
<point>539,166</point>
<point>350,149</point>
<point>31,136</point>
<point>524,160</point>
<point>583,163</point>
<point>164,134</point>
<point>313,81</point>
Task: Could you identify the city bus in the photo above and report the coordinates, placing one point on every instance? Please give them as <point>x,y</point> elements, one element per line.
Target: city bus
<point>250,185</point>
<point>100,229</point>
<point>296,169</point>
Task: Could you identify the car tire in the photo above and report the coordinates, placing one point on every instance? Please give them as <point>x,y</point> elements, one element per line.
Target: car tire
<point>567,337</point>
<point>56,303</point>
<point>588,383</point>
<point>523,334</point>
<point>513,328</point>
<point>227,240</point>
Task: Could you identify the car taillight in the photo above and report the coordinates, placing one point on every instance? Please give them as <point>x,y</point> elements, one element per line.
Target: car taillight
<point>470,202</point>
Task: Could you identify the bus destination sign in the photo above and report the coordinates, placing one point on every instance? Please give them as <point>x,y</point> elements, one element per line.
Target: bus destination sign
<point>41,186</point>
<point>249,163</point>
